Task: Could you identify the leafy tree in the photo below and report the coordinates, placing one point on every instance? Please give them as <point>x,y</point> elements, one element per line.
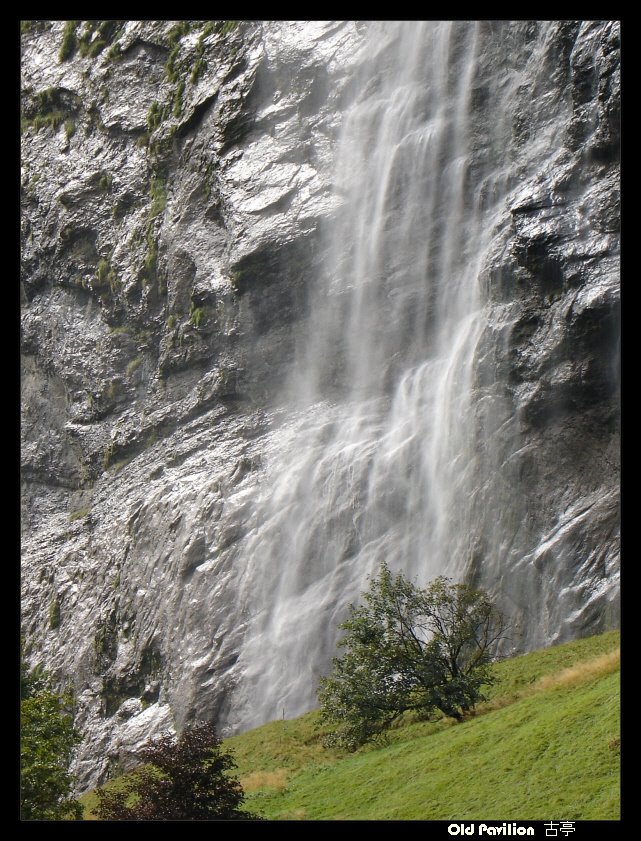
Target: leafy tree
<point>47,742</point>
<point>408,648</point>
<point>181,779</point>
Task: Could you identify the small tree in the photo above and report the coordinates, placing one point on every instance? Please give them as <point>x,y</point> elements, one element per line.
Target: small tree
<point>181,779</point>
<point>47,743</point>
<point>408,648</point>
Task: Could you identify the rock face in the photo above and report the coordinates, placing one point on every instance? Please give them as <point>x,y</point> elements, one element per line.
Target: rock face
<point>176,191</point>
<point>552,284</point>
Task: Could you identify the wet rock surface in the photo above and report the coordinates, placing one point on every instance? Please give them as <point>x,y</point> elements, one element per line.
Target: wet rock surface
<point>171,229</point>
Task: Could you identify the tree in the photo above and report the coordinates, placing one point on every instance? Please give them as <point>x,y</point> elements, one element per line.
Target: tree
<point>408,648</point>
<point>181,779</point>
<point>47,743</point>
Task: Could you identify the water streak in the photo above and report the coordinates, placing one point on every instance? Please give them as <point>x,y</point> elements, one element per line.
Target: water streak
<point>378,458</point>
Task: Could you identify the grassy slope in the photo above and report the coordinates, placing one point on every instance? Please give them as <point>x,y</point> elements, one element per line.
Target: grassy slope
<point>544,747</point>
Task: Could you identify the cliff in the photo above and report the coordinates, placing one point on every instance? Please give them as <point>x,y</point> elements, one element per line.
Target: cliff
<point>177,194</point>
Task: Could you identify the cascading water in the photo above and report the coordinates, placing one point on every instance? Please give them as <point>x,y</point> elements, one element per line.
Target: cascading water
<point>379,460</point>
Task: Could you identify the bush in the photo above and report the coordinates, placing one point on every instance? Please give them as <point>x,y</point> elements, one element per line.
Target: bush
<point>181,779</point>
<point>409,649</point>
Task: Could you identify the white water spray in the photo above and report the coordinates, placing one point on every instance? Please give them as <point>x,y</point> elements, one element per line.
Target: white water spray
<point>377,458</point>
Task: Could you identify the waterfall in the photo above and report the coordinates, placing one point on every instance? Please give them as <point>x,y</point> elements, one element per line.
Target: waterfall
<point>362,305</point>
<point>381,450</point>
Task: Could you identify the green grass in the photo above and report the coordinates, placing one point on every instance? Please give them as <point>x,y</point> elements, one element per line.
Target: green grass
<point>228,26</point>
<point>546,752</point>
<point>69,41</point>
<point>89,801</point>
<point>45,111</point>
<point>133,366</point>
<point>70,128</point>
<point>196,315</point>
<point>545,746</point>
<point>80,514</point>
<point>517,673</point>
<point>155,116</point>
<point>158,194</point>
<point>178,98</point>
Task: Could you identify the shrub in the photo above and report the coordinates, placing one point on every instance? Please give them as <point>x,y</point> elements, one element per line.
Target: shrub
<point>181,779</point>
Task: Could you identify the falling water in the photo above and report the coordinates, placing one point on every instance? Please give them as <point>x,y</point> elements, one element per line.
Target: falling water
<point>377,459</point>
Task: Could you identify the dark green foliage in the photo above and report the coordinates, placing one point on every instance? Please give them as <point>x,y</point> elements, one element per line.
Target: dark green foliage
<point>96,35</point>
<point>158,192</point>
<point>170,67</point>
<point>79,514</point>
<point>178,31</point>
<point>200,65</point>
<point>85,37</point>
<point>178,98</point>
<point>151,258</point>
<point>45,100</point>
<point>54,613</point>
<point>180,779</point>
<point>196,315</point>
<point>102,271</point>
<point>47,742</point>
<point>105,643</point>
<point>133,366</point>
<point>105,182</point>
<point>44,111</point>
<point>115,52</point>
<point>175,34</point>
<point>106,277</point>
<point>226,26</point>
<point>409,649</point>
<point>95,48</point>
<point>69,41</point>
<point>150,270</point>
<point>109,29</point>
<point>28,26</point>
<point>155,116</point>
<point>53,119</point>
